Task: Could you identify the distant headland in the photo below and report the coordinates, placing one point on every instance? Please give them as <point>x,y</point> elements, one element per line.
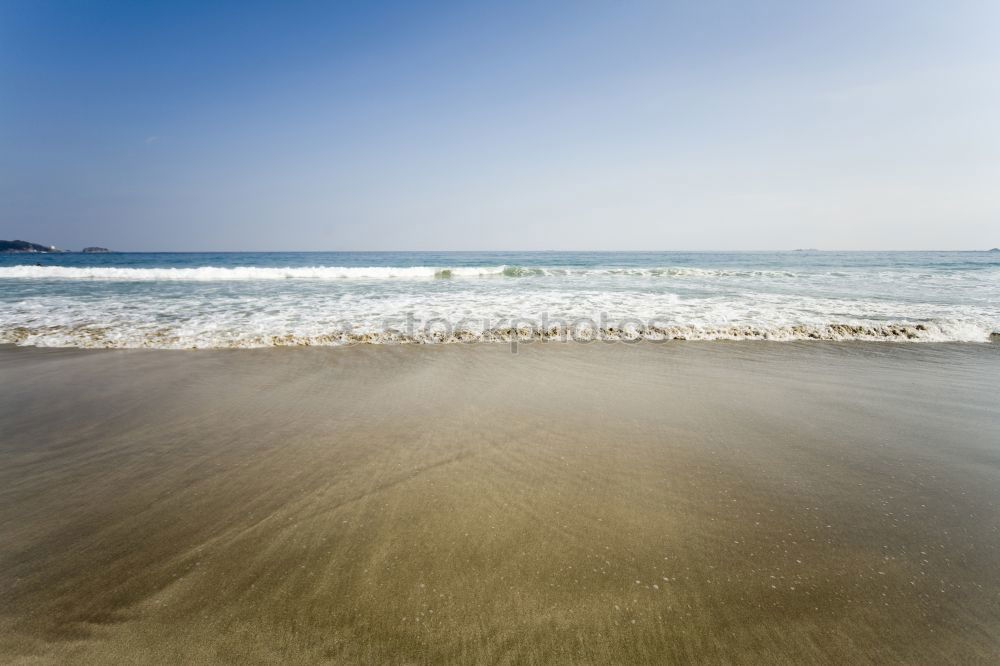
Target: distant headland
<point>24,247</point>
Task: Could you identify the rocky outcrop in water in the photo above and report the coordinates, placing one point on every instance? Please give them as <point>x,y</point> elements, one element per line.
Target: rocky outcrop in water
<point>95,250</point>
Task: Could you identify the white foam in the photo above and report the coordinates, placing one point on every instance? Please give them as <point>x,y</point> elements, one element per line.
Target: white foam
<point>324,305</point>
<point>244,273</point>
<point>178,317</point>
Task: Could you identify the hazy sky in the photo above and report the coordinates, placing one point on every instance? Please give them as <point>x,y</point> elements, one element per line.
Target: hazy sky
<point>503,125</point>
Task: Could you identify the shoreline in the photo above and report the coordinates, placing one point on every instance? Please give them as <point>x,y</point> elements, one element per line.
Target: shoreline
<point>700,500</point>
<point>829,333</point>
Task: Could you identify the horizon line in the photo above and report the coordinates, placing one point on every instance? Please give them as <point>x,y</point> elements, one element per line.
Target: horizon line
<point>593,251</point>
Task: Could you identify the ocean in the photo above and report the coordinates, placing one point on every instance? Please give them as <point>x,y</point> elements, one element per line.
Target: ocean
<point>220,300</point>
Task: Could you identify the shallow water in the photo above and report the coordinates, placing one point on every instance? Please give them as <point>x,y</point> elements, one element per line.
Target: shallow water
<point>206,300</point>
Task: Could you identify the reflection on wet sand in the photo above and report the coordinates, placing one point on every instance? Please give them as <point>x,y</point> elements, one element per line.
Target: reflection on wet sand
<point>570,503</point>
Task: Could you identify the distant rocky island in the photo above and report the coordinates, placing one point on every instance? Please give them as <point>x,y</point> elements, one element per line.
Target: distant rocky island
<point>24,247</point>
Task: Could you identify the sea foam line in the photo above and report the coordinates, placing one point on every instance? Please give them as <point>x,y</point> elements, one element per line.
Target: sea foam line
<point>96,336</point>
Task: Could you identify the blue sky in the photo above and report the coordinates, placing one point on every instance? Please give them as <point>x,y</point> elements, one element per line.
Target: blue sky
<point>549,125</point>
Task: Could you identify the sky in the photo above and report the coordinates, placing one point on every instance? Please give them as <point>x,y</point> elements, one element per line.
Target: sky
<point>565,125</point>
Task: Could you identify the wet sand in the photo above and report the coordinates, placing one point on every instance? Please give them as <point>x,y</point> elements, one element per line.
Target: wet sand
<point>734,502</point>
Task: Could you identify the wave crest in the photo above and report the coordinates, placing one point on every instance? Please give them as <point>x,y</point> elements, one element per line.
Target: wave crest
<point>219,273</point>
<point>250,273</point>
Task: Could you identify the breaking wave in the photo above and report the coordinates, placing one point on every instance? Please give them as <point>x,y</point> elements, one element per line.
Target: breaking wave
<point>250,273</point>
<point>219,273</point>
<point>263,300</point>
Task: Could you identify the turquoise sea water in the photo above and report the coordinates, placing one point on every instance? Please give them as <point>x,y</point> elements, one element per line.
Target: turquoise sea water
<point>205,300</point>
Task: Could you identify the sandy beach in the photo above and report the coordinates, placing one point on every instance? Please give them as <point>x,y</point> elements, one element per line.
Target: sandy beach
<point>572,503</point>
